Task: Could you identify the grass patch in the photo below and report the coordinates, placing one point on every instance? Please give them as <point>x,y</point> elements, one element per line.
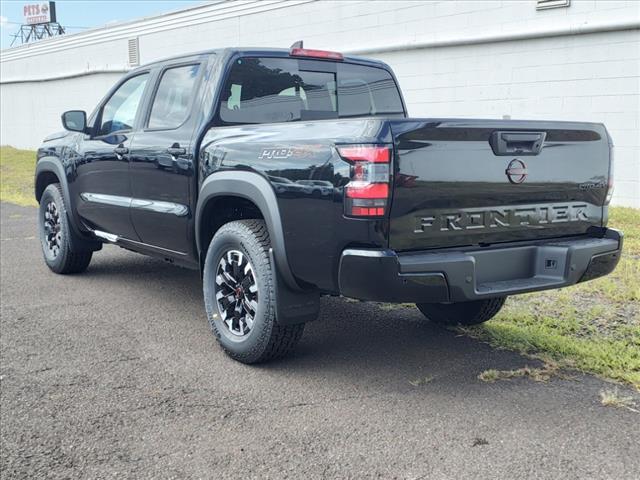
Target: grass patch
<point>613,398</point>
<point>393,306</point>
<point>542,374</point>
<point>418,382</point>
<point>17,168</point>
<point>593,327</point>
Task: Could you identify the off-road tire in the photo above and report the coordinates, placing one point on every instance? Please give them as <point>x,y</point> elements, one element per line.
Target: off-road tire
<point>61,260</point>
<point>267,339</point>
<point>462,313</point>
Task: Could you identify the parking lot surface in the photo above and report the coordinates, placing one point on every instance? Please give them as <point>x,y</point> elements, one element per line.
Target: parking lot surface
<point>115,374</point>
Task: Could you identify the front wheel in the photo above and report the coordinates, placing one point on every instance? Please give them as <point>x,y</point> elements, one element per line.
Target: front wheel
<point>462,313</point>
<point>239,294</point>
<point>55,234</point>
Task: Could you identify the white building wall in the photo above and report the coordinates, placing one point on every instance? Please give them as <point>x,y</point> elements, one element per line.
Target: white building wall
<point>453,59</point>
<point>31,113</point>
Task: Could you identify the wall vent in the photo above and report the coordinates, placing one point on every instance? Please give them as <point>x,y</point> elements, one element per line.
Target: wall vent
<point>544,4</point>
<point>134,52</point>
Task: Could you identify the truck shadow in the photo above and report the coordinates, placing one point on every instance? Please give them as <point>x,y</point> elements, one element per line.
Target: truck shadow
<point>352,340</point>
<point>392,345</point>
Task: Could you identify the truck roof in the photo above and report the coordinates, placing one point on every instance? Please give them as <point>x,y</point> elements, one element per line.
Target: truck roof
<point>260,51</point>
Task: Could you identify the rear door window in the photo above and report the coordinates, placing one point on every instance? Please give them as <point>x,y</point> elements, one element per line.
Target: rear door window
<point>172,102</point>
<point>271,90</point>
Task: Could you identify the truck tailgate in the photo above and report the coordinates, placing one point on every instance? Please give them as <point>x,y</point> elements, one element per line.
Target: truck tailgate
<point>476,182</point>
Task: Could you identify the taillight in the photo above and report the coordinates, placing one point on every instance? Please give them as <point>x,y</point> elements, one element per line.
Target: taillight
<point>610,181</point>
<point>306,52</point>
<point>367,193</point>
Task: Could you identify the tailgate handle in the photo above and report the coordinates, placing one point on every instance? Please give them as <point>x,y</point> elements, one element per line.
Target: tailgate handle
<point>517,143</point>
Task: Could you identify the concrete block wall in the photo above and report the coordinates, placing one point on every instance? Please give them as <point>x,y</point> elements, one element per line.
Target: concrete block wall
<point>452,58</point>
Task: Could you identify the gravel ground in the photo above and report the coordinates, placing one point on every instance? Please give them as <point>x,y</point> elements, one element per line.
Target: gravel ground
<point>115,374</point>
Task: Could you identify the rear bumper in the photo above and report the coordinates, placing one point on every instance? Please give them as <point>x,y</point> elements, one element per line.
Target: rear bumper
<point>463,275</point>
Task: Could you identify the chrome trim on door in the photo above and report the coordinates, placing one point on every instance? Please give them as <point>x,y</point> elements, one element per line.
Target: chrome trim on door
<point>171,208</point>
<point>113,200</point>
<point>160,207</point>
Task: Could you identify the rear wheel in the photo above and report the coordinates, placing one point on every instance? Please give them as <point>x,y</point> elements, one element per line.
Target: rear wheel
<point>462,313</point>
<point>55,235</point>
<point>239,293</point>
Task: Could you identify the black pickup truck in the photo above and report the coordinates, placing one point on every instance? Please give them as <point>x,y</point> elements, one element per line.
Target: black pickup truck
<point>284,175</point>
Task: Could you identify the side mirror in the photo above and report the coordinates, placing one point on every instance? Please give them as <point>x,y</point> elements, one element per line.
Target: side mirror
<point>75,121</point>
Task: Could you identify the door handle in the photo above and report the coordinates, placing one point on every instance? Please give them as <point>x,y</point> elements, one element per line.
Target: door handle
<point>517,143</point>
<point>175,150</point>
<point>120,150</point>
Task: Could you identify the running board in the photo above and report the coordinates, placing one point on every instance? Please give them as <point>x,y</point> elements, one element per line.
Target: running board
<point>109,237</point>
<point>126,242</point>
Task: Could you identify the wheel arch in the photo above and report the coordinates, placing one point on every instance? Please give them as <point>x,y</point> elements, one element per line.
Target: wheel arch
<point>254,189</point>
<point>49,171</point>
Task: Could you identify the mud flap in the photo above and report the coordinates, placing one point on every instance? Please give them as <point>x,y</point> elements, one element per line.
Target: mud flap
<point>293,306</point>
<point>79,244</point>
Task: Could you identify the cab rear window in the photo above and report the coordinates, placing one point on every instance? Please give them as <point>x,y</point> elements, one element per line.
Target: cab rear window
<point>271,90</point>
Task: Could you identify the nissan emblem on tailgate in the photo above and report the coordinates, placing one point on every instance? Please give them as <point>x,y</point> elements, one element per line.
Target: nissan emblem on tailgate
<point>516,171</point>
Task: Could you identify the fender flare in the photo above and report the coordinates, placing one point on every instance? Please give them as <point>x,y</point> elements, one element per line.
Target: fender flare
<point>254,187</point>
<point>49,165</point>
<point>79,241</point>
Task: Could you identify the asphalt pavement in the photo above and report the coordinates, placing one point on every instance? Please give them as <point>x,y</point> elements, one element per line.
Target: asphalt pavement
<point>114,374</point>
